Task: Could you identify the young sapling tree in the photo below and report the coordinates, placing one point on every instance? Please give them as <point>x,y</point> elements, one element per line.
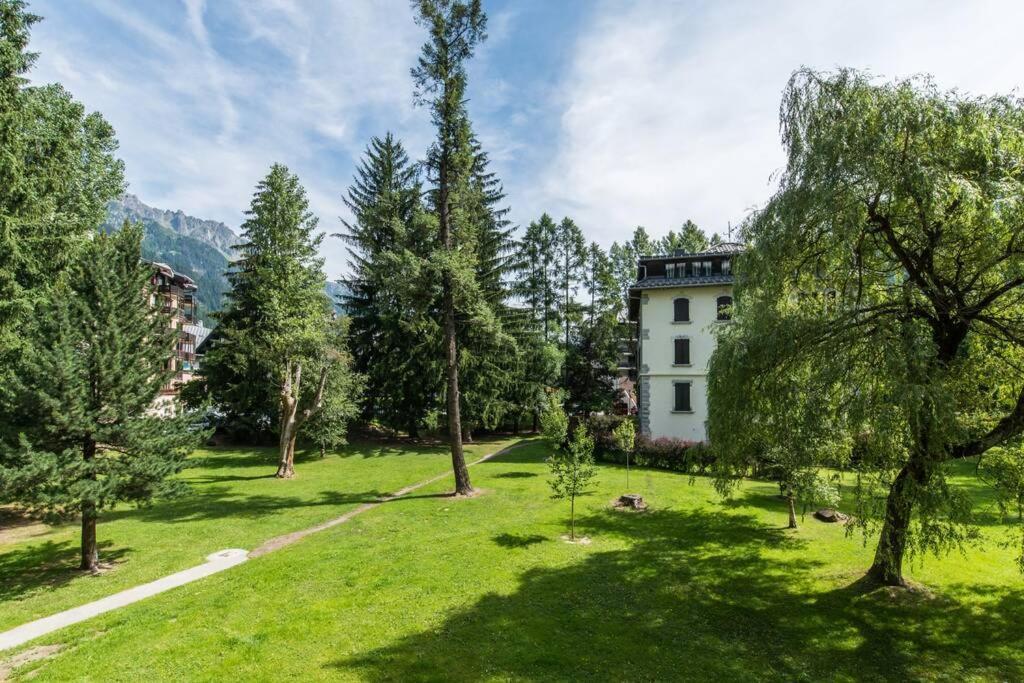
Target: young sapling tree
<point>572,469</point>
<point>624,438</point>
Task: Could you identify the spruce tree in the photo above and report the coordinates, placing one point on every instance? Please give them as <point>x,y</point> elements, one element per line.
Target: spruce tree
<point>490,360</point>
<point>277,319</point>
<point>592,357</point>
<point>94,364</point>
<point>538,286</point>
<point>570,256</point>
<point>455,28</point>
<point>57,172</point>
<point>395,339</point>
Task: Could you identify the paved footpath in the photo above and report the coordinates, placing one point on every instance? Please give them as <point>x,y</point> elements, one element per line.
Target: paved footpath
<point>217,562</point>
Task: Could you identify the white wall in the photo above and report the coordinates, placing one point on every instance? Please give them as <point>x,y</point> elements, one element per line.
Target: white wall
<point>657,354</point>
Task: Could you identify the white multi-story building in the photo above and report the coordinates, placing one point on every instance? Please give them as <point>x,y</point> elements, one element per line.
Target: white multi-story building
<point>677,303</point>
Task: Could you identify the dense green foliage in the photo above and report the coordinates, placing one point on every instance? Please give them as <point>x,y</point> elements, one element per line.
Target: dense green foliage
<point>884,290</point>
<point>57,172</point>
<point>92,367</point>
<point>395,340</point>
<point>276,325</point>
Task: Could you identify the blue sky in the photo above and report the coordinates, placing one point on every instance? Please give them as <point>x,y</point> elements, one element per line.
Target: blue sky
<point>615,113</point>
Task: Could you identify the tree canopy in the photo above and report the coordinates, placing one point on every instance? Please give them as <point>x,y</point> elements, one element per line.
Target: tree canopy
<point>886,274</point>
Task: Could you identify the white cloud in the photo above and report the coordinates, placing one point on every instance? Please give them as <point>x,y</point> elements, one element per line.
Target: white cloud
<point>201,115</point>
<point>670,111</point>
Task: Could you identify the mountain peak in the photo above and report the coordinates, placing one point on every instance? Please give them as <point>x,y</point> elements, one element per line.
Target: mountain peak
<point>215,233</point>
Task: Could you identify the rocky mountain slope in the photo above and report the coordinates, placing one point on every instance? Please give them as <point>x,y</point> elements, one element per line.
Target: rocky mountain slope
<point>199,248</point>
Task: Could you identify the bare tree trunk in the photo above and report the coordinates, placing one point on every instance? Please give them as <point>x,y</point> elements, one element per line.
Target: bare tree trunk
<point>572,518</point>
<point>887,567</point>
<point>467,433</point>
<point>90,551</point>
<point>291,418</point>
<point>459,469</point>
<point>791,502</point>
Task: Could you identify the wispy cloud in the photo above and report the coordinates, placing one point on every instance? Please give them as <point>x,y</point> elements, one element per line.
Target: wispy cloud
<point>205,97</point>
<point>670,110</point>
<point>617,113</point>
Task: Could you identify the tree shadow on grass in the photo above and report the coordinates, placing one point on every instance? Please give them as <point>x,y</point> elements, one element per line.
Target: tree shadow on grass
<point>515,475</point>
<point>702,595</point>
<point>519,540</point>
<point>213,502</point>
<point>45,566</point>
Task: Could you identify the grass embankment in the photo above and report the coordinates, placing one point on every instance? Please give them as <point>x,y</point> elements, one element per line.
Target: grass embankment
<point>433,588</point>
<point>235,502</point>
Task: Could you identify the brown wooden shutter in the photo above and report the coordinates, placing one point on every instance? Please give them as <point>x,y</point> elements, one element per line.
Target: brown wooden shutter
<point>682,355</point>
<point>682,310</point>
<point>682,397</point>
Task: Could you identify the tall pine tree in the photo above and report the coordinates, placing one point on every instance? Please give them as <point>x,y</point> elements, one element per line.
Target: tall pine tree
<point>489,355</point>
<point>277,320</point>
<point>394,338</point>
<point>88,377</point>
<point>455,28</point>
<point>57,172</point>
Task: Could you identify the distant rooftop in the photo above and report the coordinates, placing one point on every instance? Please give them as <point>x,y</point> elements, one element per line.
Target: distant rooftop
<point>720,249</point>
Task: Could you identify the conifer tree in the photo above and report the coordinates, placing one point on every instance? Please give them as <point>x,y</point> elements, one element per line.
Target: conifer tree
<point>57,172</point>
<point>538,286</point>
<point>570,255</point>
<point>490,358</point>
<point>455,28</point>
<point>395,340</point>
<point>276,323</point>
<point>94,364</point>
<point>690,239</point>
<point>593,355</point>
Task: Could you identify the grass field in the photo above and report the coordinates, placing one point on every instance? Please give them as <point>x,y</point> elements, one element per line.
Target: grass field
<point>235,503</point>
<point>434,588</point>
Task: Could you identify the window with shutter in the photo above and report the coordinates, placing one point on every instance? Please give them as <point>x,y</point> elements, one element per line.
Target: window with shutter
<point>682,351</point>
<point>681,310</point>
<point>682,397</point>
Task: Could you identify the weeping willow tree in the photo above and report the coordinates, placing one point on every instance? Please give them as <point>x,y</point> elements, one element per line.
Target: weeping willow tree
<point>884,290</point>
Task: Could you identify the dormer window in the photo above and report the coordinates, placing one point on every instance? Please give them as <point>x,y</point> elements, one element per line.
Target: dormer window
<point>670,270</point>
<point>726,267</point>
<point>681,310</point>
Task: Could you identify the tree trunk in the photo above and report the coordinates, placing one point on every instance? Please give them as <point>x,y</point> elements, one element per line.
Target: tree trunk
<point>291,419</point>
<point>459,469</point>
<point>413,429</point>
<point>536,421</point>
<point>90,551</point>
<point>887,567</point>
<point>791,502</point>
<point>572,518</point>
<point>467,433</point>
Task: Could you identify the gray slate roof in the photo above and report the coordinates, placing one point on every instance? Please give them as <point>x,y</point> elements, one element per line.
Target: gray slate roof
<point>662,282</point>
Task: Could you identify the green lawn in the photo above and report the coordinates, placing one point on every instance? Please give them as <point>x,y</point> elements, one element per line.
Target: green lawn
<point>432,588</point>
<point>235,503</point>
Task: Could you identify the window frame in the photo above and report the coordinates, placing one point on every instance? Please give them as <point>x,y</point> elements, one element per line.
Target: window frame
<point>689,396</point>
<point>689,317</point>
<point>689,351</point>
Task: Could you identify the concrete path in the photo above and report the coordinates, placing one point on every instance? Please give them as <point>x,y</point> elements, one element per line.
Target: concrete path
<point>216,562</point>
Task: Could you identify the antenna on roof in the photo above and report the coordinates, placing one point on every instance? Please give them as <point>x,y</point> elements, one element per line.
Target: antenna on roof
<point>730,230</point>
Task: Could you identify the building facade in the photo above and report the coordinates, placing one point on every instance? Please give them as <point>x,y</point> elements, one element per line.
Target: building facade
<point>678,303</point>
<point>175,294</point>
